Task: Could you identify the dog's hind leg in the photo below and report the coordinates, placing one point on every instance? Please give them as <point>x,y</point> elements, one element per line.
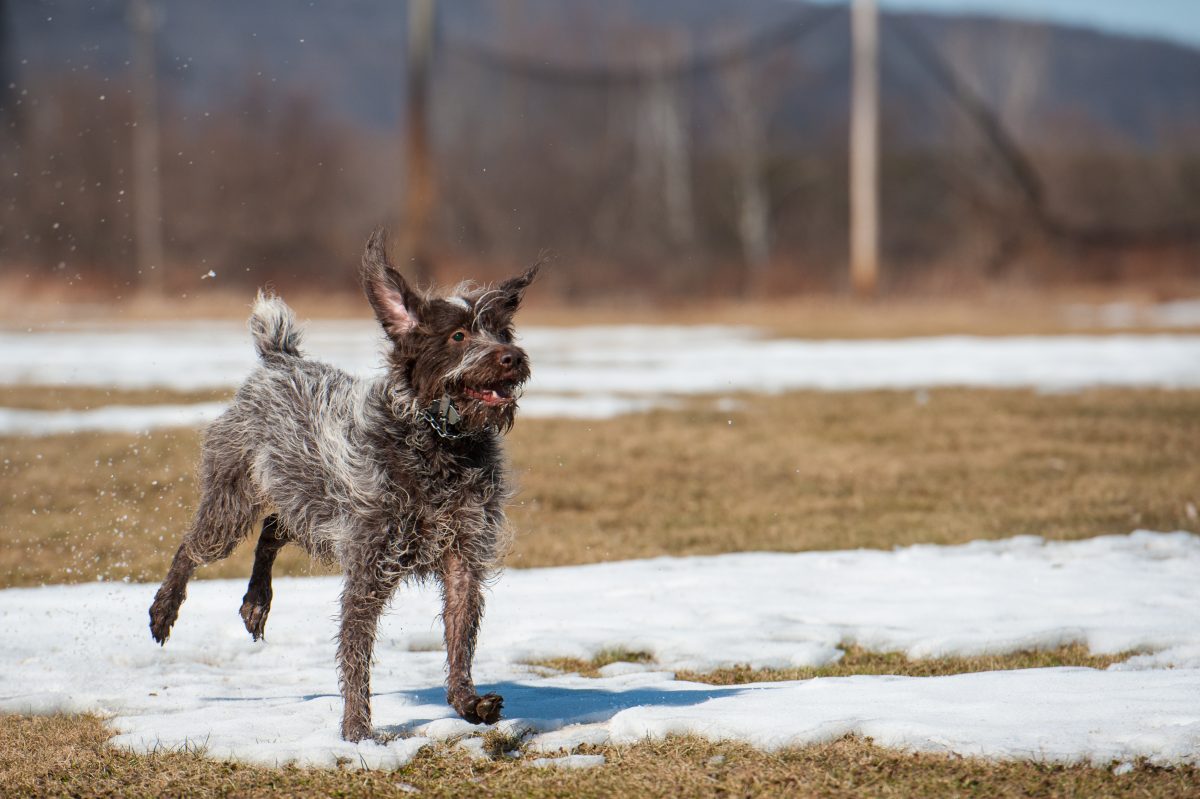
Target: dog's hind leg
<point>256,604</point>
<point>224,518</point>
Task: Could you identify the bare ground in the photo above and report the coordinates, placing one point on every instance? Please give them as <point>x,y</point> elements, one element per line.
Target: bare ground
<point>794,472</point>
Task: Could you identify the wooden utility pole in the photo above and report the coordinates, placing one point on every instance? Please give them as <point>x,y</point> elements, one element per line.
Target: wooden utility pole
<point>864,149</point>
<point>147,197</point>
<point>6,82</point>
<point>418,187</point>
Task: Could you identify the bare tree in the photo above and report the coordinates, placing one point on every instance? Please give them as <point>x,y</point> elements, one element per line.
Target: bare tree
<point>147,192</point>
<point>662,151</point>
<point>746,100</point>
<point>418,177</point>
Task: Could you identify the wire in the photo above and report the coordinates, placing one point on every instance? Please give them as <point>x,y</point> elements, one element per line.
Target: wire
<point>1021,168</point>
<point>681,68</point>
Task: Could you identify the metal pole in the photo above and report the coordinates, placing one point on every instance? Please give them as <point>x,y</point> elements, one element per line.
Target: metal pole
<point>864,150</point>
<point>419,189</point>
<point>147,198</point>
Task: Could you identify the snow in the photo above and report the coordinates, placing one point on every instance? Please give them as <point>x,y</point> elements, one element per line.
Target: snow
<point>621,359</point>
<point>569,761</point>
<point>1123,315</point>
<point>144,418</point>
<point>86,648</point>
<point>110,418</point>
<point>585,372</point>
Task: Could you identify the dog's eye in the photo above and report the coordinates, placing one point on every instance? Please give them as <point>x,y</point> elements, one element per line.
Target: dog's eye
<point>458,335</point>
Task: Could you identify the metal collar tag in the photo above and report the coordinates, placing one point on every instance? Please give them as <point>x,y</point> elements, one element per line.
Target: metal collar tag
<point>443,417</point>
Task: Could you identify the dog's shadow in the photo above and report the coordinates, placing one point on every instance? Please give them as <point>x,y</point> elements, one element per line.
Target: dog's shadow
<point>551,707</point>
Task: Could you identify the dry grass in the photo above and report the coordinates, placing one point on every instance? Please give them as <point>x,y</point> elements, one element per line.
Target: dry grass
<point>57,398</point>
<point>73,760</point>
<point>855,660</point>
<point>591,668</point>
<point>796,472</point>
<point>831,471</point>
<point>103,507</point>
<point>992,311</point>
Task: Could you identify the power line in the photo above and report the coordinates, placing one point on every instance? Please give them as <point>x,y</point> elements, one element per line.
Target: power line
<point>1021,168</point>
<point>679,68</point>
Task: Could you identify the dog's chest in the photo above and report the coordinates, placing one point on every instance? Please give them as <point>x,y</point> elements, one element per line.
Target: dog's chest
<point>448,493</point>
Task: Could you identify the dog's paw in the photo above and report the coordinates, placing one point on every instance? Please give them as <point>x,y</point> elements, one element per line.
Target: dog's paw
<point>160,630</point>
<point>162,617</point>
<point>488,708</point>
<point>480,709</point>
<point>254,610</point>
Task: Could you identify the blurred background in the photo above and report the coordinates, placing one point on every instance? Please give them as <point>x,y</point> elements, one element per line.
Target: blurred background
<point>664,151</point>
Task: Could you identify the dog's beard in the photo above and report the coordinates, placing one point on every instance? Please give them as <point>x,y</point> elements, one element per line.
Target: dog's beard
<point>477,415</point>
<point>478,405</point>
<point>487,401</point>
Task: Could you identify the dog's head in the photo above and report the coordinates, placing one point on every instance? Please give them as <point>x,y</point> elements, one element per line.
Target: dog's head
<point>458,347</point>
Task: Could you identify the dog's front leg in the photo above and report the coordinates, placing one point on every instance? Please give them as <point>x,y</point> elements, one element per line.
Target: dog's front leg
<point>364,597</point>
<point>462,597</point>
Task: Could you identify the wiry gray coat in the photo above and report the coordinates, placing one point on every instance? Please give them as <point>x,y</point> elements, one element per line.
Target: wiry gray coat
<point>357,473</point>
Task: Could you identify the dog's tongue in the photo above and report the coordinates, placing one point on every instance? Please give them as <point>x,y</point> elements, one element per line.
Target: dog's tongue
<point>490,396</point>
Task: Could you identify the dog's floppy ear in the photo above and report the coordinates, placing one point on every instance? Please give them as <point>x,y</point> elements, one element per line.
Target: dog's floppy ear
<point>397,307</point>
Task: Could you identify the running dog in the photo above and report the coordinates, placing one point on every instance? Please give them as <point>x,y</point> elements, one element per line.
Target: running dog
<point>394,478</point>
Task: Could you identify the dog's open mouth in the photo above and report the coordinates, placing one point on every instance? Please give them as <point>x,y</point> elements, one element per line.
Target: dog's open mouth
<point>498,394</point>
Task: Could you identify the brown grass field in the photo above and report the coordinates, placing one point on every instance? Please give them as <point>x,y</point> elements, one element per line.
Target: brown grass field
<point>988,311</point>
<point>788,473</point>
<point>73,760</point>
<point>791,472</point>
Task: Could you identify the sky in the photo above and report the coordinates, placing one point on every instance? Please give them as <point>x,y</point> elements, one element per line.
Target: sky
<point>1178,20</point>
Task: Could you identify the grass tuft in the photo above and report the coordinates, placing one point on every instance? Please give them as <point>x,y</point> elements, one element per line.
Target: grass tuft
<point>856,660</point>
<point>501,742</point>
<point>591,668</point>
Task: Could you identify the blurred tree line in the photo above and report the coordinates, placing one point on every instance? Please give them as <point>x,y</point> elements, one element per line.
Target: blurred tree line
<point>646,160</point>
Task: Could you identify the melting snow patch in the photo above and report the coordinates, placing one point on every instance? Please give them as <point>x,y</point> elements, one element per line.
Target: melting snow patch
<point>112,418</point>
<point>569,761</point>
<point>568,739</point>
<point>85,648</point>
<point>1117,315</point>
<point>473,747</point>
<point>640,367</point>
<point>624,667</point>
<point>143,418</point>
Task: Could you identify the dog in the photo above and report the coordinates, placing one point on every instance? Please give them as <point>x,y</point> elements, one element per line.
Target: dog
<point>396,478</point>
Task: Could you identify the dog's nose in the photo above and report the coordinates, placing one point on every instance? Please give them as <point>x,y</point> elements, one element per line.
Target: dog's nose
<point>511,357</point>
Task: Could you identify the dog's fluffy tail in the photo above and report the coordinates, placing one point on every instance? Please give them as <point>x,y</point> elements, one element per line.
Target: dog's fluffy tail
<point>274,327</point>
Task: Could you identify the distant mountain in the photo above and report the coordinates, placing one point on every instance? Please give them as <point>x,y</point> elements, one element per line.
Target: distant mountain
<point>1042,79</point>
